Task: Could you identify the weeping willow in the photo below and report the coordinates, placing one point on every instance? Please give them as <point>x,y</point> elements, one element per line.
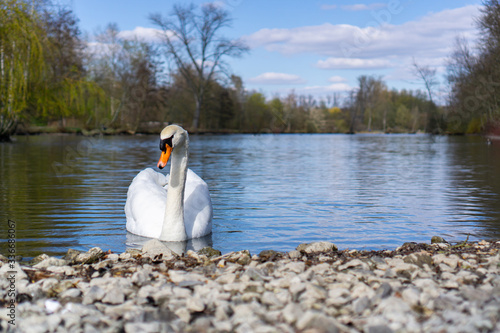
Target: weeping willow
<point>70,98</point>
<point>21,61</point>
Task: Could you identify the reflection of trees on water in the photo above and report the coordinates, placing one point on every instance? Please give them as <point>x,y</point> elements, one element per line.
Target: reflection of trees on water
<point>58,189</point>
<point>475,178</point>
<point>31,193</point>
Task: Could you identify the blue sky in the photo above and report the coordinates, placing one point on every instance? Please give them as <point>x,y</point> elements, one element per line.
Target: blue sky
<point>317,47</point>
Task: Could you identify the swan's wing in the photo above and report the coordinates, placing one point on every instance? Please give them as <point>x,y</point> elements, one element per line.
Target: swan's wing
<point>197,206</point>
<point>145,206</point>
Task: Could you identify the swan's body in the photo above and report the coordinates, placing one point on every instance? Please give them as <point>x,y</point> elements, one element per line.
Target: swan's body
<point>172,208</point>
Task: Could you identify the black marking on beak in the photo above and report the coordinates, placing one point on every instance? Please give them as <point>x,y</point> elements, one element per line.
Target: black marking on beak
<point>164,142</point>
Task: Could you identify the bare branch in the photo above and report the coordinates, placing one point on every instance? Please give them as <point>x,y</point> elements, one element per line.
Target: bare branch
<point>191,37</point>
<point>426,74</point>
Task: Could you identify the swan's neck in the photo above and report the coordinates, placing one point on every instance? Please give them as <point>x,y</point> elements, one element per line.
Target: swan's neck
<point>173,228</point>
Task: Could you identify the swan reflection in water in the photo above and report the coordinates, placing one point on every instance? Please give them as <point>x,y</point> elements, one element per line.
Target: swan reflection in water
<point>195,244</point>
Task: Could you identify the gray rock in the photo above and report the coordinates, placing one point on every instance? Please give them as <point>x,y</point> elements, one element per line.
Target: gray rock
<point>451,260</point>
<point>38,258</point>
<point>240,257</point>
<point>418,259</point>
<point>195,304</point>
<point>379,329</point>
<point>140,277</point>
<point>317,247</point>
<point>294,254</point>
<point>7,270</point>
<point>114,296</point>
<point>152,327</point>
<point>71,255</point>
<point>255,275</point>
<point>292,312</point>
<point>71,292</point>
<point>269,298</point>
<point>437,239</point>
<point>318,321</point>
<point>33,324</point>
<point>353,263</point>
<point>91,256</point>
<point>411,296</point>
<point>361,304</point>
<point>94,294</point>
<point>385,290</point>
<point>48,285</point>
<point>210,252</point>
<point>268,255</point>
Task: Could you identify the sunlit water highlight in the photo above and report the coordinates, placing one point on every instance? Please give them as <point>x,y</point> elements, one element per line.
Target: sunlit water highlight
<point>268,191</point>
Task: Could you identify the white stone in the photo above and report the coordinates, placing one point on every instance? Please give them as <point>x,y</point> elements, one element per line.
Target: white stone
<point>195,304</point>
<point>292,312</point>
<point>8,268</point>
<point>269,298</point>
<point>318,321</point>
<point>71,292</point>
<point>360,304</point>
<point>392,308</point>
<point>296,267</point>
<point>183,314</point>
<point>66,270</point>
<point>411,296</point>
<point>226,278</point>
<point>52,306</point>
<point>353,263</point>
<point>51,261</point>
<point>94,294</point>
<point>450,260</point>
<point>320,247</point>
<point>361,289</point>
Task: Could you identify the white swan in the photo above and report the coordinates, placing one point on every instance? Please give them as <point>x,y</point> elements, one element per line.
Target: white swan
<point>186,212</point>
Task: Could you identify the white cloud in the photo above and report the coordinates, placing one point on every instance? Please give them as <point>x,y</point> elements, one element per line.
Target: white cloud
<point>353,63</point>
<point>337,79</point>
<point>277,78</point>
<point>335,87</point>
<point>359,7</point>
<point>432,35</point>
<point>142,34</point>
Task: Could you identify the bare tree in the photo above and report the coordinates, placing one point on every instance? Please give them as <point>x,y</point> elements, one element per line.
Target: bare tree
<point>426,74</point>
<point>192,40</point>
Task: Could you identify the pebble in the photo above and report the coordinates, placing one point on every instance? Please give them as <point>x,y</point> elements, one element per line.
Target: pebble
<point>316,288</point>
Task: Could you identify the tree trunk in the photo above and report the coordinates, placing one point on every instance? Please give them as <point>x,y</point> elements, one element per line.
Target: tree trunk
<point>370,119</point>
<point>196,116</point>
<point>384,120</point>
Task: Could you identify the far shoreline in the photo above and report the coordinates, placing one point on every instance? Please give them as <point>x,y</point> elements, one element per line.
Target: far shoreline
<point>154,130</point>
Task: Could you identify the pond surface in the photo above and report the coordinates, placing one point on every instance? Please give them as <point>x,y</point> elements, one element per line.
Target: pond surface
<point>268,191</point>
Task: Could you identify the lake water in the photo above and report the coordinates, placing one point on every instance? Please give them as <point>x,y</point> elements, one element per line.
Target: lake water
<point>268,191</point>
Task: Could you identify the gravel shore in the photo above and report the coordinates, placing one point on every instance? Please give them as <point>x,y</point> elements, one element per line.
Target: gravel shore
<point>416,288</point>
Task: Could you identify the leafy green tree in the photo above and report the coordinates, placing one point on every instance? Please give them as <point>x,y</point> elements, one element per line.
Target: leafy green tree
<point>259,115</point>
<point>21,61</point>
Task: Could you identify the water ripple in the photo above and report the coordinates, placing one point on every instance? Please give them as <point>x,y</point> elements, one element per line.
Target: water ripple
<point>268,191</point>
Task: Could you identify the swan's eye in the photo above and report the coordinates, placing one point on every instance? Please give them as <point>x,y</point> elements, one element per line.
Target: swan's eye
<point>164,142</point>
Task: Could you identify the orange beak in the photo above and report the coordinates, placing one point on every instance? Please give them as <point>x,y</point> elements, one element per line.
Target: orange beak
<point>165,155</point>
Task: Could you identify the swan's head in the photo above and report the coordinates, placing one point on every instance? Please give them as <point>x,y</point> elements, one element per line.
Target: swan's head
<point>172,136</point>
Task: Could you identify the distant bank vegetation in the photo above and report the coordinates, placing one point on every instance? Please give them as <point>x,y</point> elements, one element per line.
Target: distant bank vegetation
<point>54,79</point>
